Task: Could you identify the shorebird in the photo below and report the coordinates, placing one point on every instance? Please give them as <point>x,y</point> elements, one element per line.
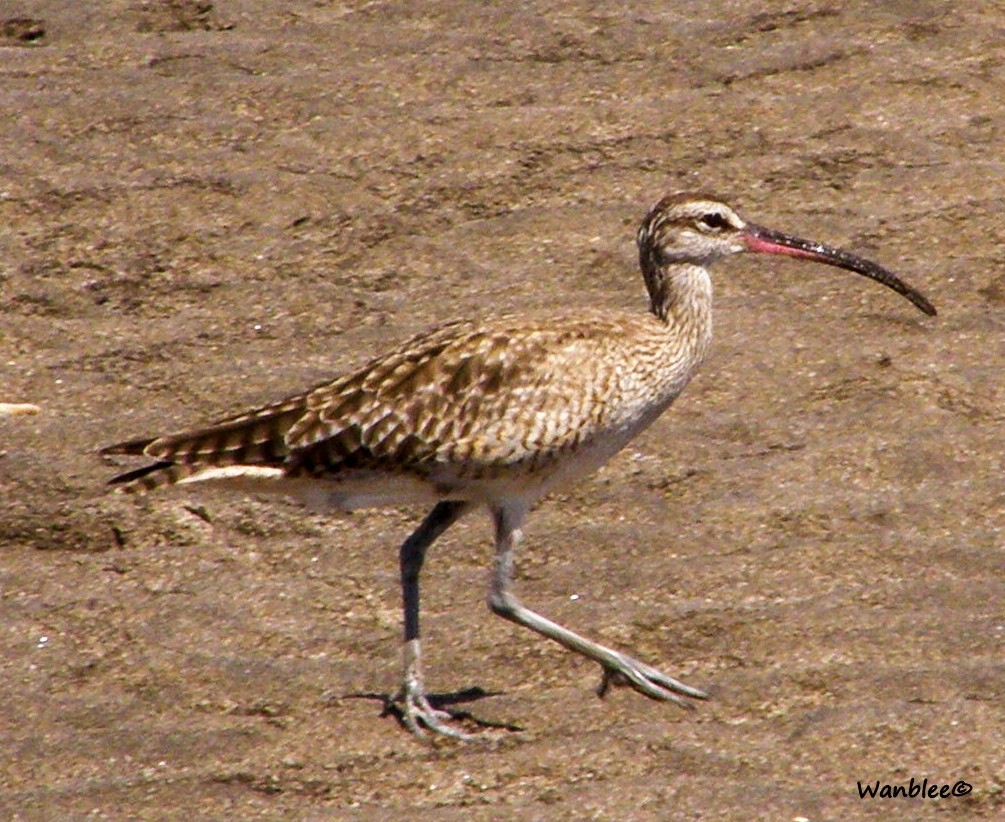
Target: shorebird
<point>494,414</point>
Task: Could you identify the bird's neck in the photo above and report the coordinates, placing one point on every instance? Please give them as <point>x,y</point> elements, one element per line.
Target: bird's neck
<point>680,295</point>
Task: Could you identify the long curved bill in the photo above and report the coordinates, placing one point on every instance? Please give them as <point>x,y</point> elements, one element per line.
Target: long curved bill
<point>760,240</point>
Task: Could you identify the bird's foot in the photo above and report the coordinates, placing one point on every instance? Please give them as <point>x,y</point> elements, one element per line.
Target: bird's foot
<point>417,713</point>
<point>624,670</point>
<point>420,717</point>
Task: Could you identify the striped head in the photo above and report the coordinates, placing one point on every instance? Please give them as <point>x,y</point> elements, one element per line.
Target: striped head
<point>697,229</point>
<point>689,228</point>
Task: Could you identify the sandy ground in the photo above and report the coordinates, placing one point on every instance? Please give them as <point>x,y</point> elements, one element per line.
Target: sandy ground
<point>207,206</point>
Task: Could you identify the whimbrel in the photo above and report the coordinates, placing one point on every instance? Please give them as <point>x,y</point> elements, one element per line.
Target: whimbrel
<point>494,414</point>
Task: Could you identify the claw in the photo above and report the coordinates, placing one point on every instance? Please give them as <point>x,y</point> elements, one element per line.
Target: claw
<point>623,670</point>
<point>417,712</point>
<point>419,715</point>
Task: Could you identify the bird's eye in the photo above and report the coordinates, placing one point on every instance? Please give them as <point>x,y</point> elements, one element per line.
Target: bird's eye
<point>713,220</point>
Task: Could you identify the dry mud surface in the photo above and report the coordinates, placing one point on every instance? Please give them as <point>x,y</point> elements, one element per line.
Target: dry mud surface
<point>204,206</point>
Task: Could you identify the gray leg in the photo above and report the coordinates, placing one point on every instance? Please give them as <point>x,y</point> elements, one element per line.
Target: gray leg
<point>416,710</point>
<point>618,668</point>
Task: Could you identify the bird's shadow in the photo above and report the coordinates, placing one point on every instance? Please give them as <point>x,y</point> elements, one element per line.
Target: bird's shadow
<point>443,701</point>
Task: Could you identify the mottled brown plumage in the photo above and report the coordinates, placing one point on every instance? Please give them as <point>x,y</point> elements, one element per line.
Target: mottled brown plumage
<point>460,402</point>
<point>494,413</point>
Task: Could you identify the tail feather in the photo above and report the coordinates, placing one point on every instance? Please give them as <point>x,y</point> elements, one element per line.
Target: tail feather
<point>257,438</point>
<point>138,473</point>
<point>135,448</point>
<point>149,477</point>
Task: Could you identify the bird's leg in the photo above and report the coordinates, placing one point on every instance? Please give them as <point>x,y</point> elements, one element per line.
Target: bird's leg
<point>416,711</point>
<point>619,669</point>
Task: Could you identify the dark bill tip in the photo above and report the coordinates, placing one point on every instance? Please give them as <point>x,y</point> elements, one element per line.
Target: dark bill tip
<point>765,241</point>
